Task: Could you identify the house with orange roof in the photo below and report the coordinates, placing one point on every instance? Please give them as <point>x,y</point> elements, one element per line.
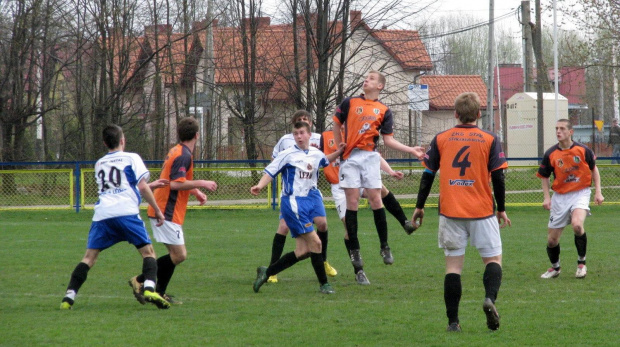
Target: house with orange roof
<point>443,90</point>
<point>175,75</point>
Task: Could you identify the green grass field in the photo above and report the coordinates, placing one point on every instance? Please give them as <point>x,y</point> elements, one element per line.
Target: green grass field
<point>402,307</point>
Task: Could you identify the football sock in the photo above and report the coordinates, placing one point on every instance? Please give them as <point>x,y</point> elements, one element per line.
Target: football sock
<point>554,255</point>
<point>394,208</point>
<point>581,242</point>
<point>452,296</point>
<point>149,273</point>
<point>277,247</point>
<point>287,260</point>
<point>381,225</point>
<point>78,277</point>
<point>165,268</point>
<point>350,219</point>
<point>492,280</point>
<point>319,269</point>
<point>323,238</point>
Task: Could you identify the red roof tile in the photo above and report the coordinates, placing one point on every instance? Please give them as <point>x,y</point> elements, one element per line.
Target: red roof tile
<point>405,47</point>
<point>443,90</point>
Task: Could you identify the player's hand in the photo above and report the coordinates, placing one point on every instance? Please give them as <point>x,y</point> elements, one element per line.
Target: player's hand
<point>598,198</point>
<point>162,182</point>
<point>418,217</point>
<point>201,197</point>
<point>159,217</point>
<point>255,190</point>
<point>341,147</point>
<point>418,152</point>
<point>397,174</point>
<point>547,204</point>
<point>503,220</point>
<point>209,185</point>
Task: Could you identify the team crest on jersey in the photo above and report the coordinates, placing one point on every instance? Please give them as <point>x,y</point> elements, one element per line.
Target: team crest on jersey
<point>560,162</point>
<point>309,167</point>
<point>576,159</point>
<point>330,143</point>
<point>359,110</point>
<point>376,111</point>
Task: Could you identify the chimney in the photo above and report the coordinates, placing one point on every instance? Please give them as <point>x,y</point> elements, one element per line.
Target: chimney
<point>355,17</point>
<point>164,29</point>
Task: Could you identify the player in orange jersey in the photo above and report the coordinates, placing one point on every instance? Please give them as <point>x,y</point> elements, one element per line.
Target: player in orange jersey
<point>178,168</point>
<point>331,172</point>
<point>362,119</point>
<point>467,156</point>
<point>574,168</point>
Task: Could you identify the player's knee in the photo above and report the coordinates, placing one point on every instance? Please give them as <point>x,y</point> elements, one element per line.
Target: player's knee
<point>577,229</point>
<point>178,258</point>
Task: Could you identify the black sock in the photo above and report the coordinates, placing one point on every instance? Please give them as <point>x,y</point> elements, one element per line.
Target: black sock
<point>381,225</point>
<point>350,219</point>
<point>149,270</point>
<point>554,254</point>
<point>277,247</point>
<point>165,269</point>
<point>452,296</point>
<point>287,260</point>
<point>319,269</point>
<point>581,242</point>
<point>78,277</point>
<point>347,244</point>
<point>394,208</point>
<point>492,280</point>
<point>323,237</point>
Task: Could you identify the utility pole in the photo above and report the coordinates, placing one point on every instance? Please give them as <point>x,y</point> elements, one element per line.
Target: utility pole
<point>208,83</point>
<point>541,78</point>
<point>490,118</point>
<point>528,85</point>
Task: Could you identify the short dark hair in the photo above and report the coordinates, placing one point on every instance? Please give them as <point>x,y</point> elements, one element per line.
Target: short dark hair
<point>301,113</point>
<point>300,125</point>
<point>112,135</point>
<point>569,125</point>
<point>467,107</point>
<point>187,129</point>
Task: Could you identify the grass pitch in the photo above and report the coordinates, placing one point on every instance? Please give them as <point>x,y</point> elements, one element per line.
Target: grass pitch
<point>403,306</point>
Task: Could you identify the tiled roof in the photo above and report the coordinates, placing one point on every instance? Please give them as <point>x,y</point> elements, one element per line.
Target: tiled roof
<point>405,47</point>
<point>443,90</point>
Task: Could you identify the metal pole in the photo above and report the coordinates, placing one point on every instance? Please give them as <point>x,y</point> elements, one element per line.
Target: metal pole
<point>490,124</point>
<point>555,60</point>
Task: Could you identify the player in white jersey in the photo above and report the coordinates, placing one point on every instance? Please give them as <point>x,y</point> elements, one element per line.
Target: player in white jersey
<point>122,179</point>
<point>279,238</point>
<point>302,204</point>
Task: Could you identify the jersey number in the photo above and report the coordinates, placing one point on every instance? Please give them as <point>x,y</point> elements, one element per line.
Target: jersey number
<point>463,163</point>
<point>114,178</point>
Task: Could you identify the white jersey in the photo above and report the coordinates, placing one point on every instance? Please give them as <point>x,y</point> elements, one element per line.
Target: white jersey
<point>299,168</point>
<point>287,141</point>
<point>117,175</point>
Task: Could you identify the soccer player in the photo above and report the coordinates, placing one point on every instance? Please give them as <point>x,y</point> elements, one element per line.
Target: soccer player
<point>467,156</point>
<point>279,238</point>
<point>122,180</point>
<point>573,166</point>
<point>328,146</point>
<point>362,119</point>
<point>302,204</point>
<point>178,168</point>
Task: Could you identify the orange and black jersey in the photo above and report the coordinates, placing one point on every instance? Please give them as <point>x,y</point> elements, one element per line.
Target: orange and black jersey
<point>328,146</point>
<point>571,168</point>
<point>363,121</point>
<point>466,156</point>
<point>178,167</point>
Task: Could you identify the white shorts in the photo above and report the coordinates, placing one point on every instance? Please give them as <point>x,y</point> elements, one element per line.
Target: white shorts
<point>482,234</point>
<point>562,206</point>
<point>168,233</point>
<point>361,170</point>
